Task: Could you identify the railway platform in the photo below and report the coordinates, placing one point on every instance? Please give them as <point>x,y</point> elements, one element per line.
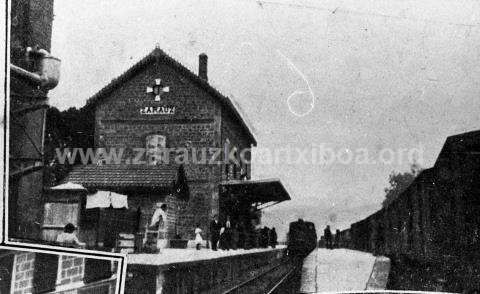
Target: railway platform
<point>206,271</point>
<point>327,270</point>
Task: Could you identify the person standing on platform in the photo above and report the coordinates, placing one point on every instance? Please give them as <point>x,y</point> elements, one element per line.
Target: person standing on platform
<point>235,237</point>
<point>328,237</point>
<point>214,232</point>
<point>198,237</point>
<point>228,233</point>
<point>264,237</point>
<point>159,218</point>
<point>223,239</point>
<point>337,238</point>
<point>157,228</point>
<point>242,236</point>
<point>273,238</point>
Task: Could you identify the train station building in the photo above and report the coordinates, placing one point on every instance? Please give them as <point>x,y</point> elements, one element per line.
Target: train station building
<point>179,142</point>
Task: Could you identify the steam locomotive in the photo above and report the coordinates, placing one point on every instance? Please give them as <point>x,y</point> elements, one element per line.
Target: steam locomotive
<point>302,238</point>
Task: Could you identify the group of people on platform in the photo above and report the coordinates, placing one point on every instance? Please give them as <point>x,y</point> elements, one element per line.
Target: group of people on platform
<point>236,235</point>
<point>241,234</point>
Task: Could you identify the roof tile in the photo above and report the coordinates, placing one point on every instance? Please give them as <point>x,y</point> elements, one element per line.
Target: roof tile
<point>97,176</point>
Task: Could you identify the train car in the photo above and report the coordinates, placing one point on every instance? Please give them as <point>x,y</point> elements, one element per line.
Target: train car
<point>376,234</point>
<point>344,239</point>
<point>302,238</point>
<point>435,220</point>
<point>360,235</point>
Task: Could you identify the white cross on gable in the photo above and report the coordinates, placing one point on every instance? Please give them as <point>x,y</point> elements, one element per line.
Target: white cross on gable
<point>158,89</point>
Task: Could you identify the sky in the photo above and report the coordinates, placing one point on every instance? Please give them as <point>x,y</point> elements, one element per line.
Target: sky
<point>389,78</point>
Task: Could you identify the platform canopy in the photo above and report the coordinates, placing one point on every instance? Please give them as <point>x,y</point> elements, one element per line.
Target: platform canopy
<point>257,191</point>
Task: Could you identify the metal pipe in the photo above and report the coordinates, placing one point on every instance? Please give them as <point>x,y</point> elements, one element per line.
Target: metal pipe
<point>47,71</point>
<point>32,77</point>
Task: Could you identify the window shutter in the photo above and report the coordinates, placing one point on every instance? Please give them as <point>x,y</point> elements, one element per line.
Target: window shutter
<point>97,269</point>
<point>45,272</point>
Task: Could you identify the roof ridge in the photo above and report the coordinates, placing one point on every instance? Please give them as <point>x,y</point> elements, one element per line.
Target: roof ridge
<point>468,133</point>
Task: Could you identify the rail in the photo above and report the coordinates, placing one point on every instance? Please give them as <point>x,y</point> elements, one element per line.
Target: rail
<point>285,278</point>
<point>263,278</point>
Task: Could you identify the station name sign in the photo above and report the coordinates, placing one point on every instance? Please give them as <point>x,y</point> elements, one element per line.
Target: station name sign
<point>154,110</point>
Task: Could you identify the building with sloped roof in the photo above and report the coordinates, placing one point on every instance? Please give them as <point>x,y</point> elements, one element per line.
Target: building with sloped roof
<point>163,134</point>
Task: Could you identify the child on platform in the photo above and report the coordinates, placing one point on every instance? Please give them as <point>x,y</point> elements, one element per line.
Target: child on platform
<point>198,237</point>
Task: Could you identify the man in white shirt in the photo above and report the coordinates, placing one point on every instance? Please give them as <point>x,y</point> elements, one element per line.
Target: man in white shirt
<point>159,216</point>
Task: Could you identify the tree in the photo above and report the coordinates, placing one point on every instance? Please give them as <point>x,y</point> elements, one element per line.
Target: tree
<point>399,182</point>
<point>71,128</point>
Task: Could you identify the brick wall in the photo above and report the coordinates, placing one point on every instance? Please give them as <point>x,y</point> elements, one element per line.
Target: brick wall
<point>23,273</point>
<point>71,269</point>
<point>67,276</point>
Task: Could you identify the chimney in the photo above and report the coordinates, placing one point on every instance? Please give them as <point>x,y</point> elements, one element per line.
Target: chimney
<point>202,66</point>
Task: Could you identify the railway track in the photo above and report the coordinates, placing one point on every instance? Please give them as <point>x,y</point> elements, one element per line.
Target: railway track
<point>277,280</point>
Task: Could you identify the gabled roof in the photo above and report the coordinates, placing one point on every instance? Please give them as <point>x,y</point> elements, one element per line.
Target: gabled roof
<point>158,55</point>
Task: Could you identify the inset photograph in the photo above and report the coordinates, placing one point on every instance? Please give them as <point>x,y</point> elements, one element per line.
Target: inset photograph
<point>243,146</point>
<point>24,270</point>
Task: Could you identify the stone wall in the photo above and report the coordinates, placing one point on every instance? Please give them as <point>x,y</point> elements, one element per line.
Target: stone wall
<point>195,122</point>
<point>199,121</point>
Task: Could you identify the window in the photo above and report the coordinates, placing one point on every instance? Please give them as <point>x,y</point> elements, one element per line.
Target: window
<point>61,213</point>
<point>56,216</point>
<point>97,269</point>
<point>155,146</point>
<point>45,272</point>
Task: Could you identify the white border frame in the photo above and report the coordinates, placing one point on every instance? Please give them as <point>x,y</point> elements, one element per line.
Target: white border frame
<point>120,260</point>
